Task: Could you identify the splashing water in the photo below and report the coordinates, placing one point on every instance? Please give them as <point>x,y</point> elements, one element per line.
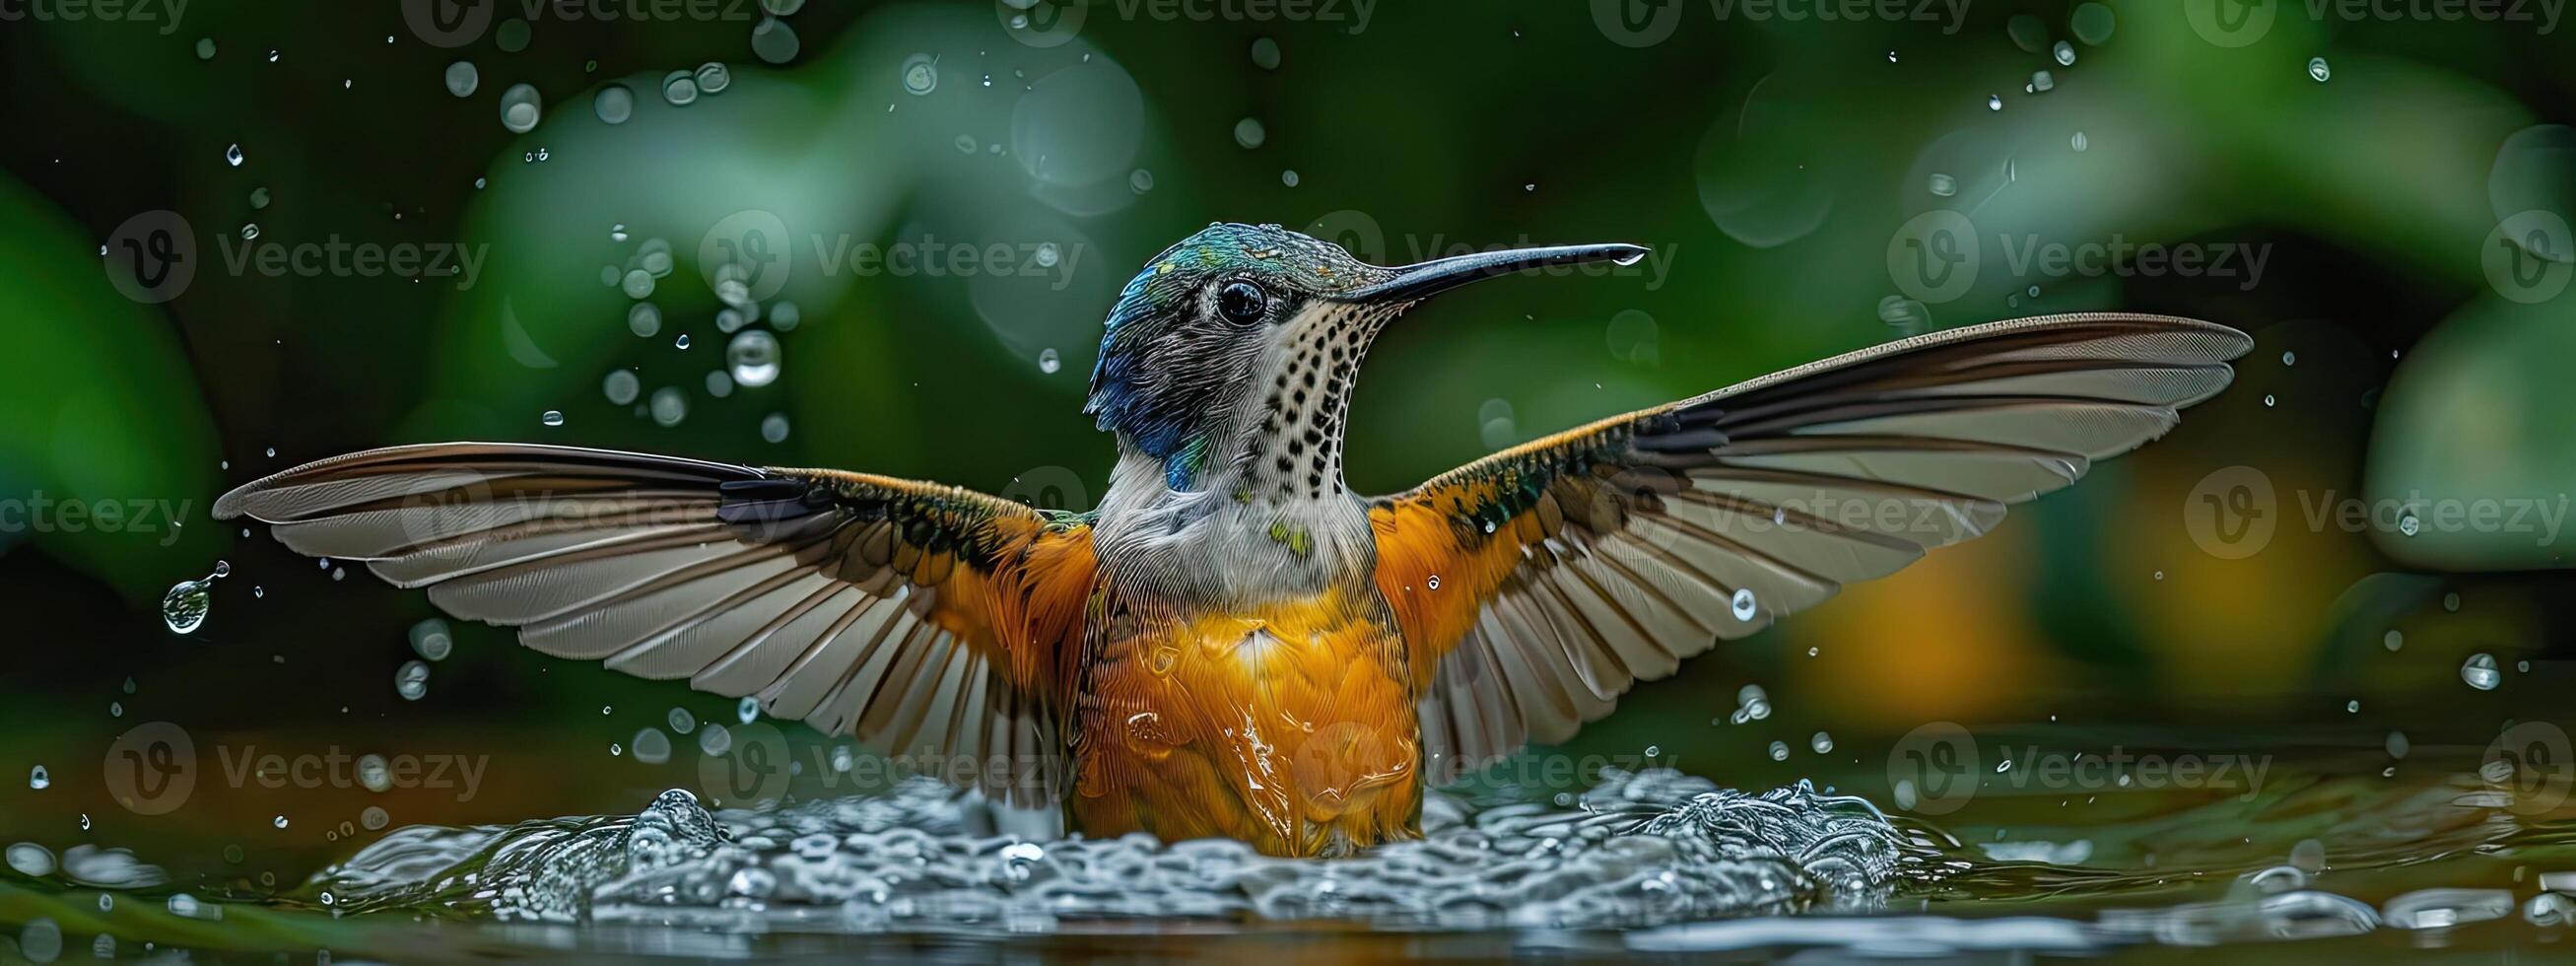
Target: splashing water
<point>1646,848</point>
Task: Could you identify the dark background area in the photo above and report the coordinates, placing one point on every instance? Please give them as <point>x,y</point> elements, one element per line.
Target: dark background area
<point>1775,164</point>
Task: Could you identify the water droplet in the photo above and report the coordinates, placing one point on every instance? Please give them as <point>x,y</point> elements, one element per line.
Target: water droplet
<point>753,358</point>
<point>2041,82</point>
<point>1288,178</point>
<point>374,818</point>
<point>1943,185</point>
<point>205,48</point>
<point>2451,602</point>
<point>746,710</point>
<point>374,773</point>
<point>621,387</point>
<point>520,108</point>
<point>679,88</point>
<point>773,427</point>
<point>1249,133</point>
<point>2408,523</point>
<point>1140,180</point>
<point>233,156</point>
<point>1742,604</point>
<point>279,821</point>
<point>2392,640</point>
<point>712,77</point>
<point>682,342</point>
<point>462,78</point>
<point>258,198</point>
<point>774,42</point>
<point>652,747</point>
<point>920,74</point>
<point>2065,54</point>
<point>1265,53</point>
<point>2319,71</point>
<point>1994,102</point>
<point>431,640</point>
<point>669,406</point>
<point>2269,401</point>
<point>644,318</point>
<point>1779,751</point>
<point>2397,745</point>
<point>1049,361</point>
<point>614,104</point>
<point>719,385</point>
<point>2352,707</point>
<point>412,680</point>
<point>551,418</point>
<point>2093,24</point>
<point>184,608</point>
<point>2480,672</point>
<point>714,739</point>
<point>31,859</point>
<point>1823,743</point>
<point>682,722</point>
<point>39,779</point>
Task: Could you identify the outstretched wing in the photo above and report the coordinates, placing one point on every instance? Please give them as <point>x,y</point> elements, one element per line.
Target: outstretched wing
<point>920,618</point>
<point>1535,585</point>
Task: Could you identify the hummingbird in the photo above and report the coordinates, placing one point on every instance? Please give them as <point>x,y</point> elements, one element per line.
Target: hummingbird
<point>1233,643</point>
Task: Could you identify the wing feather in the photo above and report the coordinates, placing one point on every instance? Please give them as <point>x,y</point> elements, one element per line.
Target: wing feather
<point>910,614</point>
<point>1541,582</point>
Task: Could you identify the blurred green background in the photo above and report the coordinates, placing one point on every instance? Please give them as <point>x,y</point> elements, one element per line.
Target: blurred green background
<point>2384,174</point>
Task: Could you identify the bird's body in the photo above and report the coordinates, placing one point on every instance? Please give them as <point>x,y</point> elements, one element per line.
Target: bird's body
<point>1233,643</point>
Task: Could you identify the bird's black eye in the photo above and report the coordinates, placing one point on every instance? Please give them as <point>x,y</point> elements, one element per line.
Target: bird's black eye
<point>1242,302</point>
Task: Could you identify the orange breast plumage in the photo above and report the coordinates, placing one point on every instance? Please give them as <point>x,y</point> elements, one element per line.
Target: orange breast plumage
<point>1290,726</point>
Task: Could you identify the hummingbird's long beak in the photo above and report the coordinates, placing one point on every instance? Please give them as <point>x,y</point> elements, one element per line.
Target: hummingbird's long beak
<point>1415,282</point>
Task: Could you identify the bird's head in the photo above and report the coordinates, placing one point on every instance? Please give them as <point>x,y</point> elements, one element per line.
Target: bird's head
<point>1239,344</point>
